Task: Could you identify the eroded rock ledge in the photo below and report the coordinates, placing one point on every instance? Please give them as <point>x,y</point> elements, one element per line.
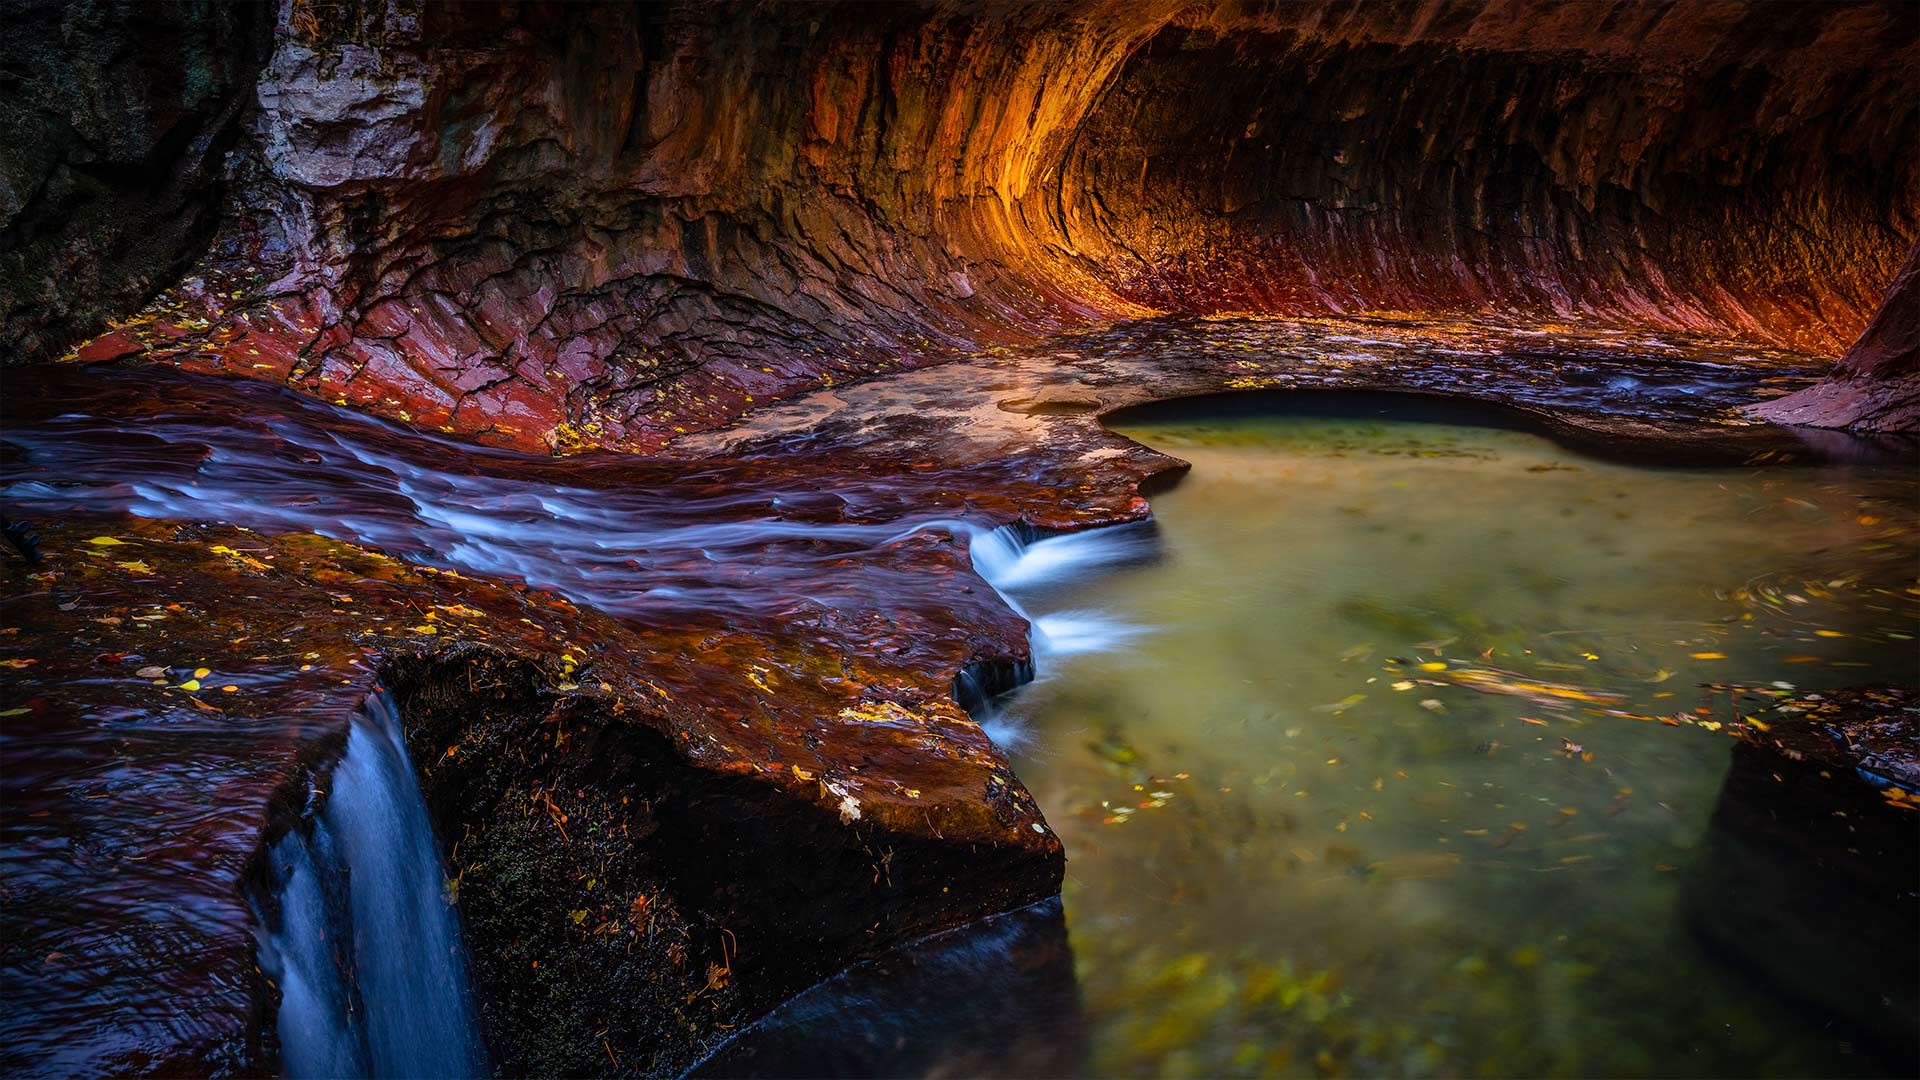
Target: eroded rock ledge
<point>642,865</point>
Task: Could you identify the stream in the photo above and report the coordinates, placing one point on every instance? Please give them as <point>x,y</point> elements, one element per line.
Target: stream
<point>1389,747</point>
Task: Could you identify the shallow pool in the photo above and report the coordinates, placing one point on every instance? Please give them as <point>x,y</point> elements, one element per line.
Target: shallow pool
<point>1414,747</point>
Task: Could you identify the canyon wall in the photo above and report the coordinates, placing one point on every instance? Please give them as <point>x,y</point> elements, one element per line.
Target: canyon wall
<point>113,121</point>
<point>560,226</point>
<point>1742,172</point>
<point>1876,385</point>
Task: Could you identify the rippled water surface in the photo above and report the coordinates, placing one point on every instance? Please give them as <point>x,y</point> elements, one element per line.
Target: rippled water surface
<point>1291,854</point>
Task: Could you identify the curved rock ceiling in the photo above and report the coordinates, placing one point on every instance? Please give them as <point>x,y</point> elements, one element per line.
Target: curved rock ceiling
<point>555,227</point>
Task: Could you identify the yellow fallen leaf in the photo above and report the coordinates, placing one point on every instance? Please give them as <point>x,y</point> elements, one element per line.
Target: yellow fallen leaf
<point>201,673</point>
<point>190,684</point>
<point>106,541</point>
<point>240,557</point>
<point>1708,656</point>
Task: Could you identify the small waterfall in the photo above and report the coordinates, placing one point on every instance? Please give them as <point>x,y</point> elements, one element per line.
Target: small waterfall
<point>366,944</point>
<point>1023,568</point>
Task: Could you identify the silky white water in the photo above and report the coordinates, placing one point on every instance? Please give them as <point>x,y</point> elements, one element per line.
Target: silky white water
<point>366,947</point>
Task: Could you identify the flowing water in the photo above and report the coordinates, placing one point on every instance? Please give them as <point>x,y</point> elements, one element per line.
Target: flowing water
<point>363,939</point>
<point>1358,751</point>
<point>1368,772</point>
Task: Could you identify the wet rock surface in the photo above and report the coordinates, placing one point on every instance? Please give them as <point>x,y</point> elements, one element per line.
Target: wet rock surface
<point>1608,391</point>
<point>726,853</point>
<point>965,1001</point>
<point>697,765</point>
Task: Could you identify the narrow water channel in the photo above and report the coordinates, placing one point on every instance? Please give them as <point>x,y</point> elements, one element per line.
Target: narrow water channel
<point>1407,761</point>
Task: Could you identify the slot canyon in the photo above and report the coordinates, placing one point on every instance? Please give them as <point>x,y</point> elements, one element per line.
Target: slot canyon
<point>1135,537</point>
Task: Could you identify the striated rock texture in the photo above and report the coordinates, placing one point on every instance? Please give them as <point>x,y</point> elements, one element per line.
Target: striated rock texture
<point>1691,167</point>
<point>1875,386</point>
<point>554,227</point>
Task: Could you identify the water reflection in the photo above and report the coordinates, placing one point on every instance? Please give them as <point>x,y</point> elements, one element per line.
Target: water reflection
<point>993,999</point>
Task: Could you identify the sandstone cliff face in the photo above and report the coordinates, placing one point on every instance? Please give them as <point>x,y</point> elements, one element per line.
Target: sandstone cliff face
<point>1876,385</point>
<point>1697,168</point>
<point>559,226</point>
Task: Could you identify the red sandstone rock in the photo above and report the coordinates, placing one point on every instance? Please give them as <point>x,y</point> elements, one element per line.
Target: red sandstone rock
<point>585,228</point>
<point>1876,386</point>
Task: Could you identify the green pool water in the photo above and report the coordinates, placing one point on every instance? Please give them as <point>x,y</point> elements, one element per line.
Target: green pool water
<point>1292,855</point>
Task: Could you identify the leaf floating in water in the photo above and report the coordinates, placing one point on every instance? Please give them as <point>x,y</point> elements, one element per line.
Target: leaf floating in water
<point>1342,705</point>
<point>106,541</point>
<point>1708,656</point>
